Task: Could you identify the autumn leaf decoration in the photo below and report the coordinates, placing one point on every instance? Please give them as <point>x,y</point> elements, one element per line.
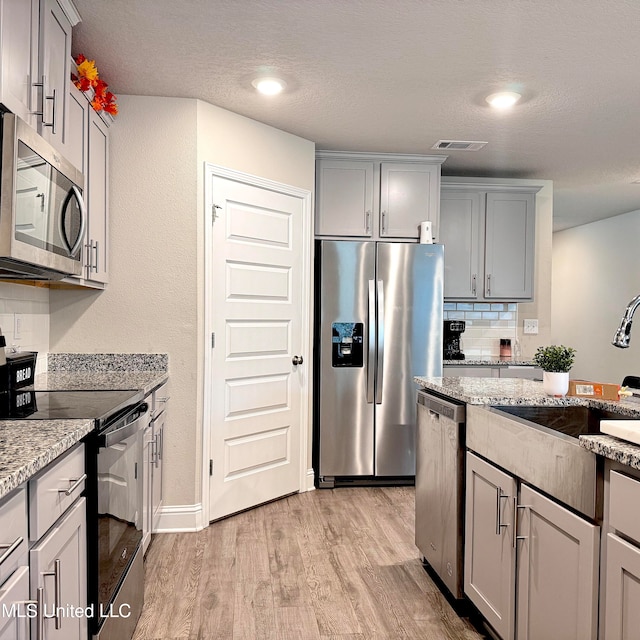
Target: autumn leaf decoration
<point>87,79</point>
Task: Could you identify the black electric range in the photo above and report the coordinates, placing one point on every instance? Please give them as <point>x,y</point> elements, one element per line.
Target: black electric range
<point>102,406</point>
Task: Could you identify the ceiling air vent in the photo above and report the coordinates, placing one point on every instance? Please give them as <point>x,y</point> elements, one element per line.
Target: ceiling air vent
<point>459,145</point>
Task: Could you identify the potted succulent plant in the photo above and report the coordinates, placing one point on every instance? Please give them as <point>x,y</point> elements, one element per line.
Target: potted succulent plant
<point>556,362</point>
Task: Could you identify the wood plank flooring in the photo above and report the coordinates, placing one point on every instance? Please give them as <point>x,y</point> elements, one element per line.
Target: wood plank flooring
<point>324,565</point>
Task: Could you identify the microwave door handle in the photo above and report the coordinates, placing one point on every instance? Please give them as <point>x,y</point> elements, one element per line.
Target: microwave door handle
<point>74,193</point>
<point>83,219</point>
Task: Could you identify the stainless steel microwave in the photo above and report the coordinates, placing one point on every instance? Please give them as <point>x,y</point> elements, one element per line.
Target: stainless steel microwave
<point>42,212</point>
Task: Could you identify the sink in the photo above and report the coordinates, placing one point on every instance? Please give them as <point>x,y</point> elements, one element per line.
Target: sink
<point>572,420</point>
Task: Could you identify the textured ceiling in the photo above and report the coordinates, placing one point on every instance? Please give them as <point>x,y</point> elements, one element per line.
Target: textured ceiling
<point>374,75</point>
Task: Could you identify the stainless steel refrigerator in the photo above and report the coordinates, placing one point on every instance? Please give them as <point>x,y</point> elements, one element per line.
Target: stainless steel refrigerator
<point>379,324</point>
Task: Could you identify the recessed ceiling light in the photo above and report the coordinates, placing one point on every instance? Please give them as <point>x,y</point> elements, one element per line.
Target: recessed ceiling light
<point>503,99</point>
<point>269,86</point>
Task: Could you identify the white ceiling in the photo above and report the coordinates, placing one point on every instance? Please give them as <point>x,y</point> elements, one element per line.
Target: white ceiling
<point>397,76</point>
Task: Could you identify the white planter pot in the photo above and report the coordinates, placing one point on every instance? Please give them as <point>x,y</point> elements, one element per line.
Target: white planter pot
<point>555,383</point>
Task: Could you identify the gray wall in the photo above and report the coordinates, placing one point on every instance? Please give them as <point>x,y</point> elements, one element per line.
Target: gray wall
<point>596,271</point>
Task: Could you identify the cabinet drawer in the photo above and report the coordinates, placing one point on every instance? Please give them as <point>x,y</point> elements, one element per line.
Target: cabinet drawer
<point>624,498</point>
<point>53,491</point>
<point>14,610</point>
<point>13,532</point>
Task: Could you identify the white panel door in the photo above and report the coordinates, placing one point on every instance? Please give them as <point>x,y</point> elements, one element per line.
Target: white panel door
<point>257,311</point>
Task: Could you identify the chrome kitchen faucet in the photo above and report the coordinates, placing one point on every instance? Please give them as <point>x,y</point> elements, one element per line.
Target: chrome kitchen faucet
<point>622,336</point>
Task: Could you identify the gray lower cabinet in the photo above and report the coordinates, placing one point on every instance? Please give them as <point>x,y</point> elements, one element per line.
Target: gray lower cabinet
<point>531,565</point>
<point>620,582</point>
<point>14,596</point>
<point>58,565</point>
<point>489,553</point>
<point>622,613</point>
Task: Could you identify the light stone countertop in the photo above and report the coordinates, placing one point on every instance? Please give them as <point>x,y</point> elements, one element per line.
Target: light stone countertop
<point>145,381</point>
<point>516,391</point>
<point>26,446</point>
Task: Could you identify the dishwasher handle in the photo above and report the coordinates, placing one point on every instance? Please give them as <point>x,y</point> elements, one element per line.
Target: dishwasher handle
<point>442,407</point>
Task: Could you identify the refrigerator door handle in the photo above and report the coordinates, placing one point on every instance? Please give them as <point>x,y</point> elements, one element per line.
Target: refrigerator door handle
<point>380,359</point>
<point>371,341</point>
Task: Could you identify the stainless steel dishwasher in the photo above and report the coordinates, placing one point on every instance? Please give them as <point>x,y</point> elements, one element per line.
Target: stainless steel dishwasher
<point>440,445</point>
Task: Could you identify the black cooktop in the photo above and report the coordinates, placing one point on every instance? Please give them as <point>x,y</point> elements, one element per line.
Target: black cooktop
<point>101,406</point>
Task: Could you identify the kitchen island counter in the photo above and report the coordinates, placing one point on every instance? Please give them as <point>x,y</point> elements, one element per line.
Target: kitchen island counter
<point>514,391</point>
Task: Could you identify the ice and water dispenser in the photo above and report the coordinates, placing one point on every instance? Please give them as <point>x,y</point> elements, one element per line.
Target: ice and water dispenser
<point>347,344</point>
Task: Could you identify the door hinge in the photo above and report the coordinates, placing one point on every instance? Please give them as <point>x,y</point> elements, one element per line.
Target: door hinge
<point>213,340</point>
<point>214,213</point>
<point>210,467</point>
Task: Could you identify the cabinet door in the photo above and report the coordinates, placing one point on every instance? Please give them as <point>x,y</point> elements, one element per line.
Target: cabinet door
<point>14,606</point>
<point>78,127</point>
<point>622,613</point>
<point>157,452</point>
<point>489,554</point>
<point>58,565</point>
<point>147,437</point>
<point>557,590</point>
<point>97,189</point>
<point>461,233</point>
<point>19,52</point>
<point>509,246</point>
<point>409,194</point>
<point>54,74</point>
<point>344,198</point>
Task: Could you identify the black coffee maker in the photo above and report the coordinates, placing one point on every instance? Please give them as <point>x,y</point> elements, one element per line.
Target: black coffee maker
<point>451,340</point>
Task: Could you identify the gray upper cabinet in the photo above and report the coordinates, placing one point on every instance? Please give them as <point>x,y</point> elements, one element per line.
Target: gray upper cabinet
<point>380,197</point>
<point>54,72</point>
<point>489,237</point>
<point>19,52</point>
<point>344,198</point>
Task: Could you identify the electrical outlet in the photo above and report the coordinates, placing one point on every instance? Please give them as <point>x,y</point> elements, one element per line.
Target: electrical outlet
<point>17,326</point>
<point>531,326</point>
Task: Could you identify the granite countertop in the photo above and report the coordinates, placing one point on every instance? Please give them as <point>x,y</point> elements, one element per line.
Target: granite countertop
<point>484,362</point>
<point>146,381</point>
<point>26,446</point>
<point>516,391</point>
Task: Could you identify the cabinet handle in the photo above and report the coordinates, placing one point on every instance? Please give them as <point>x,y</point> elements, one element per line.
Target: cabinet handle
<point>10,548</point>
<point>499,524</point>
<point>57,591</point>
<point>95,267</point>
<point>76,482</point>
<point>517,506</point>
<point>488,284</point>
<point>40,113</point>
<point>384,222</point>
<point>367,218</point>
<point>473,284</point>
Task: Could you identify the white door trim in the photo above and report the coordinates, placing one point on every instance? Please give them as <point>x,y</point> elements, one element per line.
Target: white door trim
<point>210,170</point>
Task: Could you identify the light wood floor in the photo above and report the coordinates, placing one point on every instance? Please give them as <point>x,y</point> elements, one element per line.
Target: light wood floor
<point>324,565</point>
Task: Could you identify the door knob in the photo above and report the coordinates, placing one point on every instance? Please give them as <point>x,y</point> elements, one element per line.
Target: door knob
<point>297,360</point>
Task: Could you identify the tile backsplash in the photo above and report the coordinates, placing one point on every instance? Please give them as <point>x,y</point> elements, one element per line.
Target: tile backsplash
<point>24,319</point>
<point>485,324</point>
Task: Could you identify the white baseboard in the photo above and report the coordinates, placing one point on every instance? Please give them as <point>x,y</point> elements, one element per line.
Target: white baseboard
<point>310,481</point>
<point>182,517</point>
